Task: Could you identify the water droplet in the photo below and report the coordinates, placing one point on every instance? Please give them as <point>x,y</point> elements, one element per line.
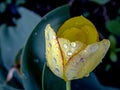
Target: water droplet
<point>73,44</point>
<point>45,18</point>
<point>85,51</point>
<point>82,60</point>
<point>57,49</point>
<point>54,59</point>
<point>65,46</point>
<point>69,53</point>
<point>57,70</point>
<point>36,60</point>
<point>50,45</point>
<point>54,37</point>
<point>93,48</point>
<point>36,33</point>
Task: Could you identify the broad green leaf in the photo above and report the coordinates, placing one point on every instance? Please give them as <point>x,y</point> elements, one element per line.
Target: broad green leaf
<point>6,87</point>
<point>113,26</point>
<point>100,2</point>
<point>11,40</point>
<point>3,74</point>
<point>34,53</point>
<point>53,82</point>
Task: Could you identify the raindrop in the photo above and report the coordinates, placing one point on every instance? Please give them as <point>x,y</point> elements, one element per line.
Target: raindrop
<point>65,46</point>
<point>94,48</point>
<point>57,70</point>
<point>36,33</point>
<point>36,60</point>
<point>82,59</point>
<point>73,44</point>
<point>57,49</point>
<point>54,37</point>
<point>69,53</point>
<point>45,18</point>
<point>54,59</point>
<point>50,45</point>
<point>85,51</point>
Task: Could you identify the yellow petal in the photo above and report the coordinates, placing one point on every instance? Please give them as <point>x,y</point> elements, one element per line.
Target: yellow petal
<point>70,48</point>
<point>78,28</point>
<point>53,52</point>
<point>81,64</point>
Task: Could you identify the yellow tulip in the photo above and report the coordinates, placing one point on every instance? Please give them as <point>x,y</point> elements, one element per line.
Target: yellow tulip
<point>75,50</point>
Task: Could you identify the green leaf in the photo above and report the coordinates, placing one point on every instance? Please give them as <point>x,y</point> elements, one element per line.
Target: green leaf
<point>100,2</point>
<point>113,56</point>
<point>2,7</point>
<point>107,68</point>
<point>19,2</point>
<point>34,52</point>
<point>3,74</point>
<point>6,87</point>
<point>113,26</point>
<point>11,40</point>
<point>113,42</point>
<point>53,82</point>
<point>117,49</point>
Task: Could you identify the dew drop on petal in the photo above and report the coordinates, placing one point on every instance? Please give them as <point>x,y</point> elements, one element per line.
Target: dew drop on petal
<point>54,60</point>
<point>93,48</point>
<point>65,46</point>
<point>50,45</point>
<point>85,51</point>
<point>73,44</point>
<point>57,49</point>
<point>82,60</point>
<point>57,70</point>
<point>54,37</point>
<point>69,53</point>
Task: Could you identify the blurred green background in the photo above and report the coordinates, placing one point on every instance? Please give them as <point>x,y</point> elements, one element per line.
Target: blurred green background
<point>18,18</point>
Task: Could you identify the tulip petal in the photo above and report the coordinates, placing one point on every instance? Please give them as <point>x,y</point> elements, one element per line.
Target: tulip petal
<point>81,64</point>
<point>78,28</point>
<point>53,52</point>
<point>69,49</point>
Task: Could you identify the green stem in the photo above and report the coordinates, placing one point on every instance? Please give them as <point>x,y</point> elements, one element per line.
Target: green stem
<point>43,73</point>
<point>68,85</point>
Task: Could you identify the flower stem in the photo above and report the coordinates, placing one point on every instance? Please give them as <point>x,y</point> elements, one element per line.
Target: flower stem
<point>43,73</point>
<point>68,85</point>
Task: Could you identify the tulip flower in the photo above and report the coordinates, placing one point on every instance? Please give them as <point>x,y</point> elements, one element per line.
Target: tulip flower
<point>75,50</point>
